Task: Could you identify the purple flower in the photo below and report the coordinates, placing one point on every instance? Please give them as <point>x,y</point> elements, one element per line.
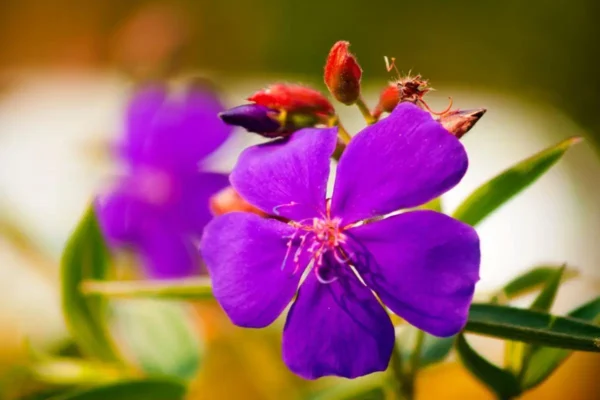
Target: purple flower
<point>161,203</point>
<point>422,265</point>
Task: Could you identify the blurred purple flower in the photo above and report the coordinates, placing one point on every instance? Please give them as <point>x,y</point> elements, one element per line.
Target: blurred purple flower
<point>162,203</point>
<point>423,265</point>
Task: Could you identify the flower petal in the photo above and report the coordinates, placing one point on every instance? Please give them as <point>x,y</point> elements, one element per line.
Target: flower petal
<point>422,264</point>
<point>167,254</point>
<point>128,222</point>
<point>400,162</point>
<point>287,177</point>
<point>252,278</point>
<point>337,328</point>
<point>192,212</point>
<point>122,217</point>
<point>173,133</point>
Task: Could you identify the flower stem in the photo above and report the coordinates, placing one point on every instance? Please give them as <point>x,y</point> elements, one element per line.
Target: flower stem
<point>398,373</point>
<point>343,137</point>
<point>178,289</point>
<point>404,375</point>
<point>364,110</point>
<point>343,133</point>
<point>415,357</point>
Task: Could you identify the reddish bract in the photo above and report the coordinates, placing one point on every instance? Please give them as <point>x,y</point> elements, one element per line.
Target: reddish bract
<point>228,200</point>
<point>388,99</point>
<point>459,122</point>
<point>293,98</point>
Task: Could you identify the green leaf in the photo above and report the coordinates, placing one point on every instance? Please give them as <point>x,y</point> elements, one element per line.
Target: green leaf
<point>149,389</point>
<point>497,191</point>
<point>86,257</point>
<point>589,311</point>
<point>503,383</point>
<point>533,327</point>
<point>180,289</point>
<point>434,205</point>
<point>160,337</point>
<point>544,360</point>
<point>517,353</point>
<point>64,371</point>
<point>370,387</point>
<point>544,301</point>
<point>435,349</point>
<point>530,281</point>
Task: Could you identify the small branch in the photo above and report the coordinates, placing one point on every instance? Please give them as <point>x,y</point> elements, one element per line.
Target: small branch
<point>364,110</point>
<point>182,289</point>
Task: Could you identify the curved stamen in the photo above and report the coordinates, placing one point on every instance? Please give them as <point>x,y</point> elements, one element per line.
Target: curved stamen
<point>292,204</point>
<point>323,280</point>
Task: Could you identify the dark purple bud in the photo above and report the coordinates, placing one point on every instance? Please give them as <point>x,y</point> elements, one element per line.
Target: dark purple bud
<point>254,118</point>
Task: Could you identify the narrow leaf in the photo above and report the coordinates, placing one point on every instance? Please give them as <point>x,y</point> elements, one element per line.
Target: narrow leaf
<point>434,205</point>
<point>529,281</point>
<point>589,311</point>
<point>180,289</point>
<point>63,371</point>
<point>160,337</point>
<point>497,191</point>
<point>86,257</point>
<point>544,301</point>
<point>545,360</point>
<point>504,384</point>
<point>370,387</point>
<point>517,354</point>
<point>150,389</point>
<point>533,327</point>
<point>435,349</point>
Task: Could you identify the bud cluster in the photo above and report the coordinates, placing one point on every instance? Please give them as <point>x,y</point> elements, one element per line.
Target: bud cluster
<point>282,108</point>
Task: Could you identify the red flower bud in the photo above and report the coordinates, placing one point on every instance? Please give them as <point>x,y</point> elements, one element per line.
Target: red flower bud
<point>293,98</point>
<point>342,74</point>
<point>388,100</point>
<point>228,200</point>
<point>459,122</point>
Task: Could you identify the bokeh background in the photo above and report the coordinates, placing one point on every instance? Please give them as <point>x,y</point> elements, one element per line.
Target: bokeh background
<point>67,69</point>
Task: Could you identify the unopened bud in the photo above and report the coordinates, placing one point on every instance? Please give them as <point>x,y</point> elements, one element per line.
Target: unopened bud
<point>293,98</point>
<point>342,74</point>
<point>253,118</point>
<point>228,200</point>
<point>459,122</point>
<point>388,99</point>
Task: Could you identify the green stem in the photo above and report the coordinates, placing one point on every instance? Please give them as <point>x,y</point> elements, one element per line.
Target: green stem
<point>398,374</point>
<point>364,110</point>
<point>415,357</point>
<point>343,137</point>
<point>182,289</point>
<point>343,133</point>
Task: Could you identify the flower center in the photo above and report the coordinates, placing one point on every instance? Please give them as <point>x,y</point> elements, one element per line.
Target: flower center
<point>323,237</point>
<point>327,232</point>
<point>153,186</point>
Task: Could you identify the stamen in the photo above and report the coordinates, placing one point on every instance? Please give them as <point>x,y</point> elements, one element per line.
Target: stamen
<point>292,204</point>
<point>437,112</point>
<point>320,278</point>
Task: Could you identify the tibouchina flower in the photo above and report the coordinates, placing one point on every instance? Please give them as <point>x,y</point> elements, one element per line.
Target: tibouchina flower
<point>162,202</point>
<point>422,265</point>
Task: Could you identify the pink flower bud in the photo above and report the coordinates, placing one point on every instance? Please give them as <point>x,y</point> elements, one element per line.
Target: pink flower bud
<point>342,74</point>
